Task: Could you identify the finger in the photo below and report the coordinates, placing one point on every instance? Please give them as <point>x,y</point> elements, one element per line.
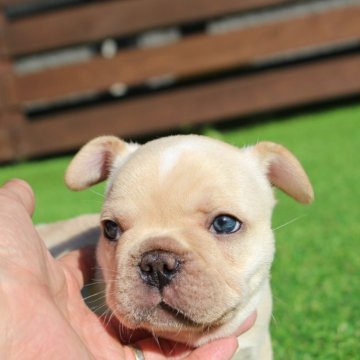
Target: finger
<point>247,324</point>
<point>161,349</point>
<point>81,264</point>
<point>222,349</point>
<point>20,191</point>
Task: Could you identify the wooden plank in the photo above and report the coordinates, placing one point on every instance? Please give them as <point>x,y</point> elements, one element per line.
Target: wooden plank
<point>195,55</point>
<point>12,139</point>
<point>103,19</point>
<point>17,2</point>
<point>8,98</point>
<point>6,146</point>
<point>11,118</point>
<point>282,88</point>
<point>3,46</point>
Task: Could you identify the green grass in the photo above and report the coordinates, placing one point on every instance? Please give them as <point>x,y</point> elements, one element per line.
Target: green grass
<point>316,272</point>
<point>54,200</point>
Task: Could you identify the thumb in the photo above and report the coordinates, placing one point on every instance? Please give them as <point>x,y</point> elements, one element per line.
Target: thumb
<point>20,191</point>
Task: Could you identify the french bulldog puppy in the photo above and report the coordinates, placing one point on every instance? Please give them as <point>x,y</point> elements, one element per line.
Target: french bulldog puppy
<point>186,243</point>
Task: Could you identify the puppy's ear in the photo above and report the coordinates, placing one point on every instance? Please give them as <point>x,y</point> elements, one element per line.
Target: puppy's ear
<point>284,171</point>
<point>95,161</point>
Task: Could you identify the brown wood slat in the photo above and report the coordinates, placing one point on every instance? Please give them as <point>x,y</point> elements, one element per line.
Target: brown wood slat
<point>6,147</point>
<point>3,45</point>
<point>301,84</point>
<point>8,97</point>
<point>12,144</point>
<point>114,18</point>
<point>195,55</point>
<point>16,2</point>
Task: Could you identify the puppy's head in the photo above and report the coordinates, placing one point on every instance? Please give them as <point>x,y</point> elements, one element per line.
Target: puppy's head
<point>187,242</point>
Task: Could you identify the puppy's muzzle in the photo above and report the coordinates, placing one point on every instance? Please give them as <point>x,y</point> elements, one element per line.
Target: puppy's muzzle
<point>158,268</point>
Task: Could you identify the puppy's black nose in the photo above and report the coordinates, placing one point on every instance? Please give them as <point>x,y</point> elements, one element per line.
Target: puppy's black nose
<point>158,268</point>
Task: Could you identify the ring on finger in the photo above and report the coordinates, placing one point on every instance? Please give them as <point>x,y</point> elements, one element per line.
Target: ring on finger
<point>139,355</point>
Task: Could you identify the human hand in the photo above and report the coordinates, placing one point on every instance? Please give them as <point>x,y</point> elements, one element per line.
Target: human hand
<point>43,315</point>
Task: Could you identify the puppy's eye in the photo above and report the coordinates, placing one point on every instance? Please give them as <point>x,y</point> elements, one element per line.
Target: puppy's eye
<point>112,230</point>
<point>225,224</point>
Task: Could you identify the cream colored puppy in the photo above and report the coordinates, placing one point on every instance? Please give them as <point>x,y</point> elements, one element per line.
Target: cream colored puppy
<point>186,243</point>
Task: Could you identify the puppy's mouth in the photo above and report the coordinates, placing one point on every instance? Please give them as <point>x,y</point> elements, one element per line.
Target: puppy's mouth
<point>169,293</point>
<point>178,315</point>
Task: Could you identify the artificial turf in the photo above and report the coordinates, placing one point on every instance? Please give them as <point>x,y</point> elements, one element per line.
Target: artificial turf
<point>316,273</point>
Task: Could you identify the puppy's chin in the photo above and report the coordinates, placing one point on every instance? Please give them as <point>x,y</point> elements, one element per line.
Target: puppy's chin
<point>166,321</point>
<point>172,324</point>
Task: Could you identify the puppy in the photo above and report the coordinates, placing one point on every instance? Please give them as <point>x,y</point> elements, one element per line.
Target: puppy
<point>186,243</point>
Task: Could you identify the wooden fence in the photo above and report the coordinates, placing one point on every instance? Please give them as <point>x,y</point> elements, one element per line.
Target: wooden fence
<point>281,53</point>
